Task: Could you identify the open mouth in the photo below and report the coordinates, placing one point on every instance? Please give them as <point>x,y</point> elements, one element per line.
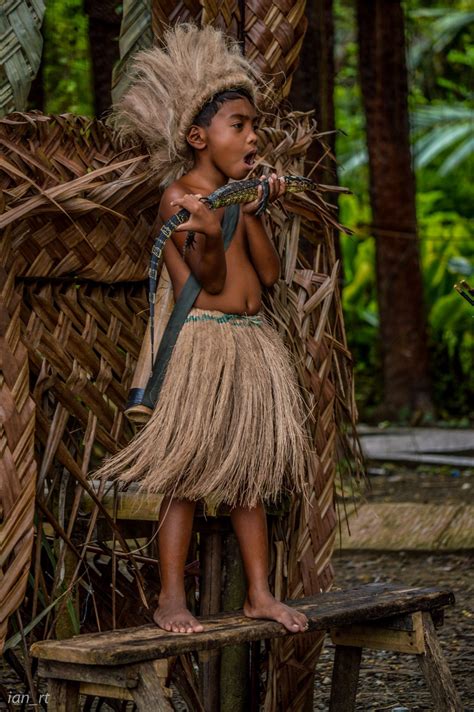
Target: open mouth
<point>249,158</point>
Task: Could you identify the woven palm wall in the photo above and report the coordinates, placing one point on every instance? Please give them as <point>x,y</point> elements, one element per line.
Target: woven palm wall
<point>71,332</point>
<point>77,218</point>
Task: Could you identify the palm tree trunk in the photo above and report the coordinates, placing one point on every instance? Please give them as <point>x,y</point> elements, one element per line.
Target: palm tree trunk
<point>384,85</point>
<point>104,30</point>
<point>313,88</point>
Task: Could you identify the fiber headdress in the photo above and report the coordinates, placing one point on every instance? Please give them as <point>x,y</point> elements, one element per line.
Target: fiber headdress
<point>171,84</point>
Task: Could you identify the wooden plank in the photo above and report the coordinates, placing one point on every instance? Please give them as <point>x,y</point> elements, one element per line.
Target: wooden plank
<point>133,505</point>
<point>116,693</point>
<point>130,505</point>
<point>380,637</point>
<point>460,532</point>
<point>345,677</point>
<point>451,442</point>
<point>436,671</point>
<point>407,458</point>
<point>329,610</point>
<point>396,526</point>
<point>125,676</point>
<point>151,693</point>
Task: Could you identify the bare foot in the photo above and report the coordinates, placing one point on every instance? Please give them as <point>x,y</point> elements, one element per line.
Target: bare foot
<point>175,617</point>
<point>264,605</point>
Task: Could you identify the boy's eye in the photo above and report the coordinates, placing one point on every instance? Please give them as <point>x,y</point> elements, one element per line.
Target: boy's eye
<point>238,125</point>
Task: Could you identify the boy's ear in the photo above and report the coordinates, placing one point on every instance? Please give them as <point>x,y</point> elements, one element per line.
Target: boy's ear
<point>196,137</point>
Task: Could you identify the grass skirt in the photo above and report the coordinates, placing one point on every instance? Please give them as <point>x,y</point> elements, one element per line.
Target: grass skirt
<point>228,425</point>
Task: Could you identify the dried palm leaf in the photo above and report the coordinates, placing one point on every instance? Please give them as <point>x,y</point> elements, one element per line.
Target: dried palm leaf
<point>20,51</point>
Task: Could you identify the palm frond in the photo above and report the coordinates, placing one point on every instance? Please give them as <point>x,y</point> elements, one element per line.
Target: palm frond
<point>443,30</point>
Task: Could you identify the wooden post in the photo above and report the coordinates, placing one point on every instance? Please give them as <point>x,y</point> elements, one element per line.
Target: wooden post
<point>345,676</point>
<point>64,625</point>
<point>151,693</point>
<point>436,671</point>
<point>234,695</point>
<point>63,696</point>
<point>210,602</point>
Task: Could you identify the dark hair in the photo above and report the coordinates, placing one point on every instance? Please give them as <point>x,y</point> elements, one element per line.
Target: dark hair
<point>210,109</point>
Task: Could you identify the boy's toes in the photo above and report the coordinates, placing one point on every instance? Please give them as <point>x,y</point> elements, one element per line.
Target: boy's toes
<point>298,621</point>
<point>289,621</point>
<point>302,619</point>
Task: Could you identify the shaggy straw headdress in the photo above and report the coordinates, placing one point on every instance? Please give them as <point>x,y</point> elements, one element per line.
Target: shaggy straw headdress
<point>171,84</point>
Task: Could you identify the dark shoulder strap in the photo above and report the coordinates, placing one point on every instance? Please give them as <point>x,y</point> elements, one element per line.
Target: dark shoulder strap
<point>183,306</point>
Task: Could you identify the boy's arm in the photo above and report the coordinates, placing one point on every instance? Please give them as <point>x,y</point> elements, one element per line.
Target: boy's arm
<point>207,257</point>
<point>262,251</point>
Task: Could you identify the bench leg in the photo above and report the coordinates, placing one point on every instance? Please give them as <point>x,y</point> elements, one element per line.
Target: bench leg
<point>345,676</point>
<point>211,587</point>
<point>150,693</point>
<point>436,671</point>
<point>63,695</point>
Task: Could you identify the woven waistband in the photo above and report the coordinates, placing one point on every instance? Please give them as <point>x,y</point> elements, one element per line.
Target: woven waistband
<point>197,315</point>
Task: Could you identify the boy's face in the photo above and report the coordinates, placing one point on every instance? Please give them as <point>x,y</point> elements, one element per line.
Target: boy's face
<point>230,140</point>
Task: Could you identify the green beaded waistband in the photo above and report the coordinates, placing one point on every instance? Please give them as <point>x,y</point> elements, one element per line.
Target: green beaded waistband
<point>233,319</point>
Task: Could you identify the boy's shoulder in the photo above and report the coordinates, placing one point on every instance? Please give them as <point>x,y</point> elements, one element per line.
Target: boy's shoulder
<point>176,189</point>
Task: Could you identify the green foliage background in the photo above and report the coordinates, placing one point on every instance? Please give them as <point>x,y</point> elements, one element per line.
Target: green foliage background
<point>440,54</point>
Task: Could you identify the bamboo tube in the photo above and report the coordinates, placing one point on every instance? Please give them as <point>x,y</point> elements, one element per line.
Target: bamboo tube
<point>164,304</point>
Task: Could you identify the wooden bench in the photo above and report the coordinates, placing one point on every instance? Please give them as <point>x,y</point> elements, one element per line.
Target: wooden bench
<point>131,664</point>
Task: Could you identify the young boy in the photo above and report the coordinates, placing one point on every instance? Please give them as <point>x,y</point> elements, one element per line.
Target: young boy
<point>227,426</point>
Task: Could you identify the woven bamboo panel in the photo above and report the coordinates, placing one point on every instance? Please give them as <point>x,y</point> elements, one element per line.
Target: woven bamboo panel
<point>168,12</point>
<point>224,14</point>
<point>70,209</point>
<point>142,22</point>
<point>17,464</point>
<point>273,34</point>
<point>63,190</point>
<point>21,44</point>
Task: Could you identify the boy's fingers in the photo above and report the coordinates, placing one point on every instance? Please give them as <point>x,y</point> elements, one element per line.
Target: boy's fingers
<point>186,198</point>
<point>184,227</point>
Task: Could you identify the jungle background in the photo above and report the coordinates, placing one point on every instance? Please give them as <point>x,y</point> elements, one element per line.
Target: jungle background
<point>80,43</point>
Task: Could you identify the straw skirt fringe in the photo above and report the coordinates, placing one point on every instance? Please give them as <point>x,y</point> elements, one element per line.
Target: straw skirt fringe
<point>228,425</point>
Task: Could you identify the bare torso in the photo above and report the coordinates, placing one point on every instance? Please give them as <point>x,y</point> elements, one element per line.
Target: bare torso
<point>242,292</point>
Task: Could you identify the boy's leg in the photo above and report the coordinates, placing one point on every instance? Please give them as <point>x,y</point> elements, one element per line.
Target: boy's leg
<point>176,524</point>
<point>250,526</point>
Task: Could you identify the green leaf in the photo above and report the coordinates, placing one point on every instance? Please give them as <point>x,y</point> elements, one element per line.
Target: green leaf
<point>463,151</point>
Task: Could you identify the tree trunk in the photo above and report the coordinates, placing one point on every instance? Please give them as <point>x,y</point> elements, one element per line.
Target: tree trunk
<point>383,78</point>
<point>313,88</point>
<point>104,30</point>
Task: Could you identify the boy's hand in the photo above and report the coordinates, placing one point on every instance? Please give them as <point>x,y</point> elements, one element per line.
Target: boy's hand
<point>202,219</point>
<point>276,186</point>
